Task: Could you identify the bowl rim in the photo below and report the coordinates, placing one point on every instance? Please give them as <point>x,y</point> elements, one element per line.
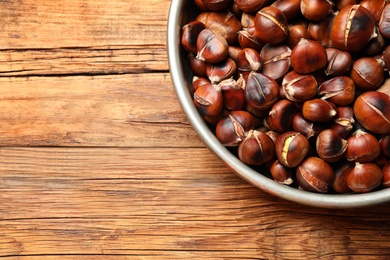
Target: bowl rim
<point>181,87</point>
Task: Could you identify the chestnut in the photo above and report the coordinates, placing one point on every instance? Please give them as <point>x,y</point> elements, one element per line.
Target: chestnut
<point>280,173</point>
<point>233,93</point>
<point>314,175</point>
<point>250,5</point>
<point>247,20</point>
<point>216,5</point>
<point>276,60</point>
<point>222,70</point>
<point>256,148</point>
<point>261,92</point>
<point>339,62</point>
<point>199,81</point>
<point>308,56</point>
<point>344,121</point>
<point>232,129</point>
<point>197,66</point>
<point>384,142</point>
<point>362,147</point>
<point>340,90</point>
<point>352,28</point>
<point>290,8</point>
<point>318,110</point>
<point>211,47</point>
<point>271,25</point>
<point>386,174</point>
<point>384,22</point>
<point>280,116</point>
<point>190,32</point>
<point>247,40</point>
<point>330,146</point>
<point>320,31</point>
<point>225,24</point>
<point>340,4</point>
<point>367,73</point>
<point>295,34</point>
<point>372,110</point>
<point>209,102</point>
<point>364,177</point>
<point>247,59</point>
<point>291,148</point>
<point>316,10</point>
<point>298,87</point>
<point>374,7</point>
<point>305,127</point>
<point>341,172</point>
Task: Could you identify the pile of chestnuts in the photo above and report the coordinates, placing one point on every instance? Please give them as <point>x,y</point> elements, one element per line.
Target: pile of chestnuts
<point>299,89</point>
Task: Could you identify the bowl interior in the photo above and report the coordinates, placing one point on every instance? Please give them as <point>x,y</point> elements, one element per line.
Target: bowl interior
<point>184,11</point>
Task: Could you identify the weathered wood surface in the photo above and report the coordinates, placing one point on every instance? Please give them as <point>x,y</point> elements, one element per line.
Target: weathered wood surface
<point>97,160</point>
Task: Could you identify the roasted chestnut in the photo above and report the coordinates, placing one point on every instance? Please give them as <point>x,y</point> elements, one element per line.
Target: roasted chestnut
<point>280,116</point>
<point>367,73</point>
<point>384,22</point>
<point>316,10</point>
<point>233,93</point>
<point>281,173</point>
<point>211,47</point>
<point>225,24</point>
<point>364,177</point>
<point>290,8</point>
<point>291,148</point>
<point>220,71</point>
<point>306,127</point>
<point>340,90</point>
<point>339,62</point>
<point>209,102</point>
<point>318,110</point>
<point>374,7</point>
<point>295,34</point>
<point>308,56</point>
<point>276,60</point>
<point>341,172</point>
<point>330,146</point>
<point>314,175</point>
<point>216,5</point>
<point>362,147</point>
<point>320,31</point>
<point>344,121</point>
<point>250,5</point>
<point>271,25</point>
<point>256,149</point>
<point>372,110</point>
<point>190,32</point>
<point>298,87</point>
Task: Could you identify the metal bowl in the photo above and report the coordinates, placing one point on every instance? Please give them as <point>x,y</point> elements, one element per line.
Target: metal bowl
<point>182,12</point>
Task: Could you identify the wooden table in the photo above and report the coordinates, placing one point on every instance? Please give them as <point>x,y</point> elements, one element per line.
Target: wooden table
<point>98,161</point>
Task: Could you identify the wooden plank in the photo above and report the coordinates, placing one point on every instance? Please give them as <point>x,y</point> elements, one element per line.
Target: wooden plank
<point>112,110</point>
<point>30,24</point>
<point>167,203</point>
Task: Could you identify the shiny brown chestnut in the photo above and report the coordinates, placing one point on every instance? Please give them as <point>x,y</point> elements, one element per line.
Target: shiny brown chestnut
<point>209,102</point>
<point>247,59</point>
<point>315,10</point>
<point>339,62</point>
<point>367,73</point>
<point>295,34</point>
<point>256,148</point>
<point>233,93</point>
<point>216,5</point>
<point>375,46</point>
<point>271,25</point>
<point>330,146</point>
<point>231,129</point>
<point>384,22</point>
<point>364,177</point>
<point>211,47</point>
<point>320,31</point>
<point>314,175</point>
<point>306,127</point>
<point>291,148</point>
<point>281,173</point>
<point>198,67</point>
<point>352,28</point>
<point>386,174</point>
<point>339,90</point>
<point>318,110</point>
<point>374,7</point>
<point>344,121</point>
<point>290,8</point>
<point>220,71</point>
<point>384,142</point>
<point>276,60</point>
<point>280,116</point>
<point>247,40</point>
<point>190,32</point>
<point>298,87</point>
<point>341,172</point>
<point>308,56</point>
<point>199,81</point>
<point>225,24</point>
<point>340,4</point>
<point>247,20</point>
<point>362,147</point>
<point>372,110</point>
<point>261,92</point>
<point>250,5</point>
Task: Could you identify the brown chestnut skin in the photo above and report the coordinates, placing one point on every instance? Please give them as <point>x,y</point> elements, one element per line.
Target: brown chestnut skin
<point>344,121</point>
<point>372,110</point>
<point>298,87</point>
<point>320,31</point>
<point>374,7</point>
<point>275,60</point>
<point>362,147</point>
<point>209,102</point>
<point>225,24</point>
<point>199,81</point>
<point>339,62</point>
<point>384,22</point>
<point>340,90</point>
<point>217,72</point>
<point>290,8</point>
<point>314,175</point>
<point>384,143</point>
<point>246,59</point>
<point>247,40</point>
<point>308,56</point>
<point>261,92</point>
<point>211,47</point>
<point>280,116</point>
<point>197,66</point>
<point>316,10</point>
<point>250,5</point>
<point>364,177</point>
<point>319,110</point>
<point>341,172</point>
<point>233,93</point>
<point>280,173</point>
<point>352,29</point>
<point>291,148</point>
<point>340,4</point>
<point>306,127</point>
<point>256,149</point>
<point>367,73</point>
<point>231,129</point>
<point>330,146</point>
<point>190,32</point>
<point>271,25</point>
<point>295,34</point>
<point>216,5</point>
<point>386,174</point>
